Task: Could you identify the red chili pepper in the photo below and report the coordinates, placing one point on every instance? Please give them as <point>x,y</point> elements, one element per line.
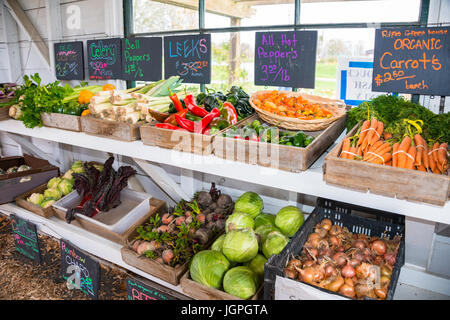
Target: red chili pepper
<point>176,102</point>
<point>185,123</point>
<point>171,119</point>
<point>168,126</point>
<point>195,109</point>
<point>206,120</point>
<point>232,114</point>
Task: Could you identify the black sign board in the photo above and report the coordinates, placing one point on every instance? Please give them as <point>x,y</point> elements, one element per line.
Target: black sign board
<point>81,271</point>
<point>412,60</point>
<point>104,59</point>
<point>285,58</point>
<point>69,60</point>
<point>26,238</point>
<point>189,57</point>
<point>137,290</point>
<point>142,59</point>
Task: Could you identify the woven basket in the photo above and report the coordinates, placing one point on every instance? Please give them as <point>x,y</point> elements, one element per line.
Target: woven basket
<point>336,107</point>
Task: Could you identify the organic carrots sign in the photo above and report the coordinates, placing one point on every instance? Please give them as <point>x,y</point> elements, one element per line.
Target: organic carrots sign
<point>412,60</point>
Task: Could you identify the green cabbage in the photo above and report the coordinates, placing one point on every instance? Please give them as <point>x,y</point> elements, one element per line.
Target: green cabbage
<point>263,230</point>
<point>47,203</point>
<point>53,183</point>
<point>217,245</point>
<point>53,193</point>
<point>250,203</point>
<point>36,198</point>
<point>208,268</point>
<point>240,282</point>
<point>264,218</point>
<point>257,266</point>
<point>77,167</point>
<point>240,245</point>
<point>65,186</point>
<point>68,175</point>
<point>289,219</point>
<point>239,220</point>
<point>274,243</point>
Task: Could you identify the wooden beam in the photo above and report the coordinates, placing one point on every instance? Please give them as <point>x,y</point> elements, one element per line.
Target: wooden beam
<point>235,52</point>
<point>267,2</point>
<point>227,8</point>
<point>23,20</point>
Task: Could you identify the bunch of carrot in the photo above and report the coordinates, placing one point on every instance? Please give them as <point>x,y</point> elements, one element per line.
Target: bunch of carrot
<point>373,145</point>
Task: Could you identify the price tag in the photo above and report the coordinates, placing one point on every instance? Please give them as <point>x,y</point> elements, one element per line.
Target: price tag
<point>104,59</point>
<point>26,238</point>
<point>69,60</point>
<point>142,59</point>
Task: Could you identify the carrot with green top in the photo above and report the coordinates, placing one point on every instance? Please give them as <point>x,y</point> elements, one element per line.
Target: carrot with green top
<point>442,155</point>
<point>411,157</point>
<point>395,154</point>
<point>402,150</point>
<point>382,159</point>
<point>370,132</point>
<point>345,148</point>
<point>418,140</point>
<point>363,133</point>
<point>377,133</point>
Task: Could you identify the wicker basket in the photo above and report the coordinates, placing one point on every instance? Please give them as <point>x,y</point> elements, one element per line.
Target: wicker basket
<point>336,107</point>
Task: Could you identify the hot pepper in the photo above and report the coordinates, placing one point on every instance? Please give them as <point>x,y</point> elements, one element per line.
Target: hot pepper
<point>176,101</point>
<point>206,120</point>
<point>231,114</point>
<point>171,119</point>
<point>185,123</point>
<point>195,109</point>
<point>168,126</point>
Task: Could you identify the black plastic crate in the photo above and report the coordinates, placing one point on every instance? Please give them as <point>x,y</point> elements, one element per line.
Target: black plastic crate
<point>343,217</point>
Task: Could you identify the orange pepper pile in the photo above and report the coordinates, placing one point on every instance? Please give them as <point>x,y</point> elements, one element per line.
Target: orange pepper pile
<point>282,104</point>
<point>85,96</point>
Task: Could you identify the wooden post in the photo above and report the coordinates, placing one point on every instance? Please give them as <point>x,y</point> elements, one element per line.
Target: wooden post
<point>235,52</point>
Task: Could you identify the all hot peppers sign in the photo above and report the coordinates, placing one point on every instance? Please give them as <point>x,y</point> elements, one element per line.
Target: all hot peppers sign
<point>412,60</point>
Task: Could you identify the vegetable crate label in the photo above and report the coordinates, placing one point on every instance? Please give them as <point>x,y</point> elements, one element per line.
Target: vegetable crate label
<point>104,59</point>
<point>79,270</point>
<point>26,238</point>
<point>189,57</point>
<point>412,60</point>
<point>137,290</point>
<point>142,59</point>
<point>285,58</point>
<point>69,60</point>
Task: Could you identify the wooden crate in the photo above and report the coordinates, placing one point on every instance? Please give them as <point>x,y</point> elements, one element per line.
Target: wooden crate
<point>21,201</point>
<point>110,129</point>
<point>199,291</point>
<point>156,206</point>
<point>4,112</point>
<point>61,121</point>
<point>179,140</point>
<point>388,181</point>
<point>288,158</point>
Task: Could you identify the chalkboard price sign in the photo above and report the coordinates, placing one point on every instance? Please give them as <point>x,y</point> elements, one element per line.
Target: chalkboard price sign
<point>189,57</point>
<point>69,60</point>
<point>137,290</point>
<point>104,59</point>
<point>412,60</point>
<point>26,238</point>
<point>142,59</point>
<point>79,269</point>
<point>285,58</point>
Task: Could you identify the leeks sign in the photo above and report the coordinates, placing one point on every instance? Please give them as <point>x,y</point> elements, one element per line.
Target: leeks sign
<point>412,60</point>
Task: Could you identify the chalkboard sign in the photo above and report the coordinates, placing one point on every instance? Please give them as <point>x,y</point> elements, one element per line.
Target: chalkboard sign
<point>69,62</point>
<point>142,59</point>
<point>104,59</point>
<point>285,58</point>
<point>81,271</point>
<point>137,290</point>
<point>412,60</point>
<point>26,238</point>
<point>188,57</point>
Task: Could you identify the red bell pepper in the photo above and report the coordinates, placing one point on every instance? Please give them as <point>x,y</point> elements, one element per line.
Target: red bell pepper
<point>232,115</point>
<point>185,123</point>
<point>176,102</point>
<point>195,109</point>
<point>206,120</point>
<point>168,126</point>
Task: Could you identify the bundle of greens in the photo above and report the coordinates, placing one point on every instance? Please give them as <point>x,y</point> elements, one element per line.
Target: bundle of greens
<point>392,110</point>
<point>99,189</point>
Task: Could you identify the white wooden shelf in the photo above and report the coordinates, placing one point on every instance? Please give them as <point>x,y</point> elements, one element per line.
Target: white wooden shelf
<point>307,182</point>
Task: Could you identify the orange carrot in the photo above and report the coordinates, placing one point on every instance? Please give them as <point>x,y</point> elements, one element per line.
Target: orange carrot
<point>359,151</point>
<point>387,135</point>
<point>363,132</point>
<point>411,157</point>
<point>372,129</point>
<point>375,146</point>
<point>432,162</point>
<point>402,150</point>
<point>394,154</point>
<point>389,163</point>
<point>421,168</point>
<point>418,141</point>
<point>350,155</point>
<point>381,150</point>
<point>345,148</point>
<point>442,154</point>
<point>425,157</point>
<point>434,152</point>
<point>386,157</point>
<point>377,133</point>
